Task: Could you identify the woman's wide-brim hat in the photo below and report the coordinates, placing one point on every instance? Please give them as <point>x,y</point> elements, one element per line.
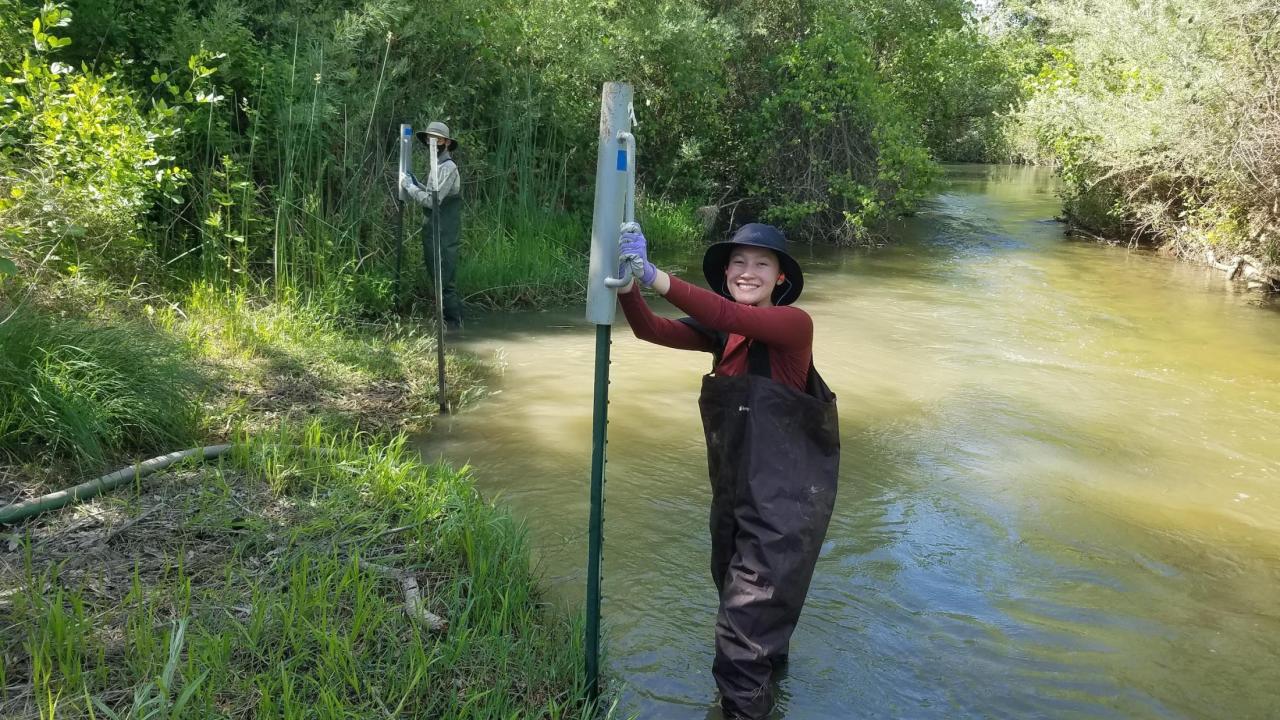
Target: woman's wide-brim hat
<point>438,129</point>
<point>759,235</point>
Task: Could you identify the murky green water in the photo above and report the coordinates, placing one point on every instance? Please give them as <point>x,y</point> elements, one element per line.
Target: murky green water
<point>1060,486</point>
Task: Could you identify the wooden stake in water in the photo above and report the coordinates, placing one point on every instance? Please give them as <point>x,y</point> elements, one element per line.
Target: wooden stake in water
<point>435,241</point>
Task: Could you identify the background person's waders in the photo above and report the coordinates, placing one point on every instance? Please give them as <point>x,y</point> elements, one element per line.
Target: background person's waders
<point>449,216</point>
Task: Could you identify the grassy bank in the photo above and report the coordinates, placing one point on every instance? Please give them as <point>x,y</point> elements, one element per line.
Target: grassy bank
<point>90,373</point>
<point>529,256</point>
<point>272,583</point>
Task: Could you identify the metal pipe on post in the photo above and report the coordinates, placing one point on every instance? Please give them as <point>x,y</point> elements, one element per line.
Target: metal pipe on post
<point>627,145</point>
<point>612,167</point>
<point>406,167</point>
<point>435,241</point>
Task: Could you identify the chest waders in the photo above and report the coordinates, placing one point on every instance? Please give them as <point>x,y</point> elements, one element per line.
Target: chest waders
<point>447,219</point>
<point>773,455</point>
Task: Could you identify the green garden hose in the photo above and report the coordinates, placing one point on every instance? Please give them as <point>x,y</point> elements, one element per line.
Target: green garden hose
<point>17,512</point>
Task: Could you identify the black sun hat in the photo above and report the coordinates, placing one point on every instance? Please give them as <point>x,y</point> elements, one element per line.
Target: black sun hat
<point>759,235</point>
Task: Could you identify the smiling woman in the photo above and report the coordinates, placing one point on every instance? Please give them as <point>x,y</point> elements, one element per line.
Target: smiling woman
<point>773,444</point>
<point>754,270</point>
<point>756,254</point>
<point>752,274</point>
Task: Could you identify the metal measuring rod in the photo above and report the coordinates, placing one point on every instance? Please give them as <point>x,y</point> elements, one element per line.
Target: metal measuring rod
<point>406,166</point>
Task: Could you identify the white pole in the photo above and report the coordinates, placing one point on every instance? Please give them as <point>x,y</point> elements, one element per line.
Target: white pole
<point>612,164</point>
<point>435,167</point>
<point>406,155</point>
<point>406,166</point>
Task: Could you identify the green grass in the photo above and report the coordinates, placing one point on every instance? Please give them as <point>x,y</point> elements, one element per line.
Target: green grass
<point>270,590</point>
<point>524,256</point>
<point>163,375</point>
<point>269,585</point>
<point>84,391</point>
<point>305,358</point>
<point>671,227</point>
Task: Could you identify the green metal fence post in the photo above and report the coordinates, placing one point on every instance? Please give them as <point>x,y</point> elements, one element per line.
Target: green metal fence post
<point>599,429</point>
<point>612,166</point>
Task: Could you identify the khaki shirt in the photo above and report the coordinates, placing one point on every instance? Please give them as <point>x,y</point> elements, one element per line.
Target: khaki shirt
<point>450,183</point>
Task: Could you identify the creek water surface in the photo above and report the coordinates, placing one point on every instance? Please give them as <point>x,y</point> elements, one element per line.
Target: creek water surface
<point>1059,492</point>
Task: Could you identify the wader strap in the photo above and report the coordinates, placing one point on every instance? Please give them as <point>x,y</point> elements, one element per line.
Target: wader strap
<point>758,359</point>
<point>757,352</point>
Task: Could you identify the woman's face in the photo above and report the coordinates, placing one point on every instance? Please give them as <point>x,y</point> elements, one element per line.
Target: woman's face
<point>752,274</point>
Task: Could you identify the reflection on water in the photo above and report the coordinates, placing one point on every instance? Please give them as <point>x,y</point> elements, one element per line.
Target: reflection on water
<point>1060,486</point>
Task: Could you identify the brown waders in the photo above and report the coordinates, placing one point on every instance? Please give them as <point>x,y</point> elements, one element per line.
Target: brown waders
<point>773,455</point>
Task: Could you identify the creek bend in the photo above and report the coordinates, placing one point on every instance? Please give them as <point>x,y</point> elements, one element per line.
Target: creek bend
<point>1059,491</point>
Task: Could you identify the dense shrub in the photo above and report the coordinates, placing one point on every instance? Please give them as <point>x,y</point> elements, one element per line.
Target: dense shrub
<point>1162,116</point>
<point>82,157</point>
<point>248,140</point>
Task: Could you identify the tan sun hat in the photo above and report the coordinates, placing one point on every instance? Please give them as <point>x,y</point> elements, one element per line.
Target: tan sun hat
<point>438,129</point>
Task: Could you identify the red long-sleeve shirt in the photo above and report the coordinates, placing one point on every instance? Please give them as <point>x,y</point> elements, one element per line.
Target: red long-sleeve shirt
<point>787,330</point>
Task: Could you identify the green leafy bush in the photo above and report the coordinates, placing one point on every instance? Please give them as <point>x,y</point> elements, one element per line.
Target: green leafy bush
<point>82,160</point>
<point>242,141</point>
<point>1161,117</point>
<point>838,148</point>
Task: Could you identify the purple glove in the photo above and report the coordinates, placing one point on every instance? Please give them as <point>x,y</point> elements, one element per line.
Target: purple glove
<point>633,252</point>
